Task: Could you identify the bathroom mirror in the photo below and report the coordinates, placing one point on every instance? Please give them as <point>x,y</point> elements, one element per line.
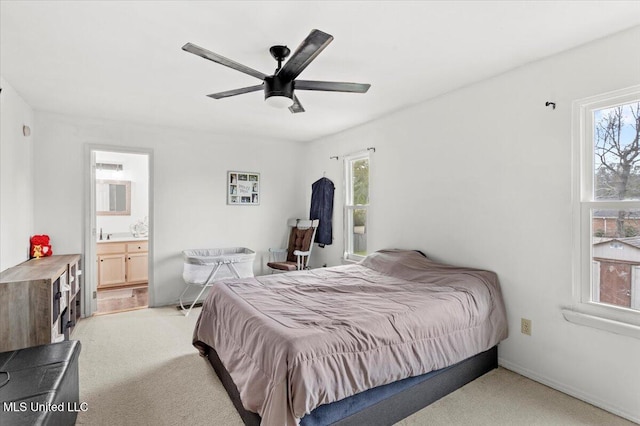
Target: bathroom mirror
<point>113,197</point>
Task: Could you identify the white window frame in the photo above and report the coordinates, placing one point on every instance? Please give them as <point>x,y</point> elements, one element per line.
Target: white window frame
<point>349,255</point>
<point>586,309</point>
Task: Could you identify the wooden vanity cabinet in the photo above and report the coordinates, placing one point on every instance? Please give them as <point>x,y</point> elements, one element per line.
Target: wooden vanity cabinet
<point>122,263</point>
<point>111,269</point>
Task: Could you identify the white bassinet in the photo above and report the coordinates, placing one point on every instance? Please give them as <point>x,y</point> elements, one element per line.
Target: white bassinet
<point>204,266</point>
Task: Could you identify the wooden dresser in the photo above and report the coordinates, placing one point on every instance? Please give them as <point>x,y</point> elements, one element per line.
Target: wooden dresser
<point>39,301</point>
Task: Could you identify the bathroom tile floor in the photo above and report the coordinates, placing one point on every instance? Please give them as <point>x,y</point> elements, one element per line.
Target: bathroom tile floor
<point>122,299</point>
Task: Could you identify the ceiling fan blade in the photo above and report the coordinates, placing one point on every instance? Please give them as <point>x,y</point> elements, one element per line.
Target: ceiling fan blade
<point>331,86</point>
<point>297,106</point>
<point>311,47</point>
<point>197,50</point>
<point>234,92</point>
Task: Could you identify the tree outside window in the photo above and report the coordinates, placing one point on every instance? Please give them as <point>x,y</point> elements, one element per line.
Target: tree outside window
<point>615,209</point>
<point>356,205</point>
<point>360,190</point>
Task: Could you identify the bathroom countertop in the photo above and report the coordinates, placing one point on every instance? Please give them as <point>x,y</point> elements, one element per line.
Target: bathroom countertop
<point>122,239</point>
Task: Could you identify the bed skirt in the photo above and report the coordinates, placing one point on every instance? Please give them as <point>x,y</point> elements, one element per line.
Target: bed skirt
<point>383,405</point>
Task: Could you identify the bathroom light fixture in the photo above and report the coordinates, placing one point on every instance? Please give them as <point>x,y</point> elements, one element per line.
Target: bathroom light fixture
<point>109,166</point>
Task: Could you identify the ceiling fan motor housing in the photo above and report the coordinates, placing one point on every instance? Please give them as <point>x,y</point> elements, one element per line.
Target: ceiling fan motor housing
<point>274,86</point>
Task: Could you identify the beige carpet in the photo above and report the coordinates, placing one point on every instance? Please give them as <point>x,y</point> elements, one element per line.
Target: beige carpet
<point>139,368</point>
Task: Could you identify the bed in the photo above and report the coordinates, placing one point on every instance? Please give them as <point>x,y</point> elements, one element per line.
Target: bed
<point>343,344</point>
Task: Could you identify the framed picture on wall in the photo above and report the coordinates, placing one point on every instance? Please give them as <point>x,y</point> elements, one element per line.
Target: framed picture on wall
<point>243,188</point>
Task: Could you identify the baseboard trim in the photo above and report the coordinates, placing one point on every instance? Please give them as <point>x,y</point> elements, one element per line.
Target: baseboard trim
<point>569,390</point>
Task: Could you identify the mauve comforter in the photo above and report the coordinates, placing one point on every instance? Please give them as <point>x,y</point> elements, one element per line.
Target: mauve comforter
<point>294,341</point>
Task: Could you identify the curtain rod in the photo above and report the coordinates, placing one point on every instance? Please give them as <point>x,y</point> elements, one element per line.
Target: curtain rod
<point>335,157</point>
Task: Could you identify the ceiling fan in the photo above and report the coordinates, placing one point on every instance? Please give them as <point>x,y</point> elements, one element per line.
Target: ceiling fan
<point>279,87</point>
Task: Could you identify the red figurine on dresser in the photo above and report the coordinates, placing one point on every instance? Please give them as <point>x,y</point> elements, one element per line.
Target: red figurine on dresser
<point>40,246</point>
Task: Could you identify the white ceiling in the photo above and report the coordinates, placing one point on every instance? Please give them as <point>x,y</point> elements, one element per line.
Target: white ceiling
<point>123,60</point>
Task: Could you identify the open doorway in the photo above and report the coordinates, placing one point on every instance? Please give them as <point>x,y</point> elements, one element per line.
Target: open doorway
<point>118,243</point>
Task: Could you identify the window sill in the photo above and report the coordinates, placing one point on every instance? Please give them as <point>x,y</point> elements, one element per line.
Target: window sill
<point>350,261</point>
<point>601,323</point>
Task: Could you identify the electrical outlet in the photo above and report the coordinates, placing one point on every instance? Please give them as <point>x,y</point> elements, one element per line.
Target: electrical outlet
<point>525,326</point>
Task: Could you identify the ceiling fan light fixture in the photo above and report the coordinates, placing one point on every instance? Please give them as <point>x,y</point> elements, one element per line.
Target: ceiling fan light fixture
<point>278,101</point>
<point>277,93</point>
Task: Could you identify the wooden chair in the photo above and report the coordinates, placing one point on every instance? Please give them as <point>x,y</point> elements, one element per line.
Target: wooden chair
<point>296,256</point>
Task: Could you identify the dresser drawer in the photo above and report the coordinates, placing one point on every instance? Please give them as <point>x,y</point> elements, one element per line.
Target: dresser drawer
<point>108,248</point>
<point>137,247</point>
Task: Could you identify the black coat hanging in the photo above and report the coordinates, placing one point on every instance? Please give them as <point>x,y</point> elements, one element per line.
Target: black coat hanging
<point>322,208</point>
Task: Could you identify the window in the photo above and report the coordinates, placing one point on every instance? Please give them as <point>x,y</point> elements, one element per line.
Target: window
<point>607,212</point>
<point>356,206</point>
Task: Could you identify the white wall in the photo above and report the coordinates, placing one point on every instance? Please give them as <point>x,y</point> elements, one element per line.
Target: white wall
<point>482,177</point>
<point>188,191</point>
<point>135,170</point>
<point>17,177</point>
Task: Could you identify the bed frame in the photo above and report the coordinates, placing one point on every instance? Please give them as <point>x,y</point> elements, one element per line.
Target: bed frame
<point>384,405</point>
